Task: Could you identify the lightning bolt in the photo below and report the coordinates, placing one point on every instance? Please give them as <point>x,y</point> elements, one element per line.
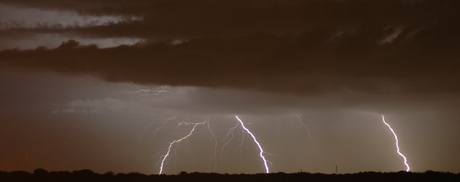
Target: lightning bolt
<point>215,146</point>
<point>240,146</point>
<point>148,91</point>
<point>165,89</point>
<point>228,138</point>
<point>177,141</point>
<point>397,144</point>
<point>308,132</point>
<point>261,153</point>
<point>161,126</point>
<point>26,156</point>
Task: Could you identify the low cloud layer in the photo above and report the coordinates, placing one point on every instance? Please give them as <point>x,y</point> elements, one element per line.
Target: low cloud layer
<point>303,64</point>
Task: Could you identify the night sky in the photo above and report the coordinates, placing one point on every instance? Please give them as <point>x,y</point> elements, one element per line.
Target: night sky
<point>107,85</point>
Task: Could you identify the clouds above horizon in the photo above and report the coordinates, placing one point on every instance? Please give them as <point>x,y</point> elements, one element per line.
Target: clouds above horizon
<point>210,18</point>
<point>304,64</point>
<point>299,47</point>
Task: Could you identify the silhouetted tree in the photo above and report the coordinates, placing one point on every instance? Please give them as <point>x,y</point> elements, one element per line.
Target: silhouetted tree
<point>86,175</point>
<point>40,171</point>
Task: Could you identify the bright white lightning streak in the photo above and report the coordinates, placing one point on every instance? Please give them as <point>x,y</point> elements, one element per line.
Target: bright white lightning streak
<point>261,154</point>
<point>397,144</point>
<point>177,141</point>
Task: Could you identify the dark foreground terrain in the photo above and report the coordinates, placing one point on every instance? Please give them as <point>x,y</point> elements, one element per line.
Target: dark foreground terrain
<point>40,175</point>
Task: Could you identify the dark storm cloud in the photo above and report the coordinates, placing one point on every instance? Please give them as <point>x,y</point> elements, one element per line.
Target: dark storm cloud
<point>303,47</point>
<point>307,63</point>
<point>204,18</point>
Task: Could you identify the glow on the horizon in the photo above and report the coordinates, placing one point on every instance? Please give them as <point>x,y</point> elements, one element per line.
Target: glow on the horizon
<point>261,153</point>
<point>397,144</point>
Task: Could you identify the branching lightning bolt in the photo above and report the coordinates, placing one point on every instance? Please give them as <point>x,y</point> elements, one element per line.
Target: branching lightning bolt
<point>261,153</point>
<point>215,146</point>
<point>165,89</point>
<point>148,91</point>
<point>177,141</point>
<point>161,126</point>
<point>240,146</point>
<point>397,144</point>
<point>228,138</point>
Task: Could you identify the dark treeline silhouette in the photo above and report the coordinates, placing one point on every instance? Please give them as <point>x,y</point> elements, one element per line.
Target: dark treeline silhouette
<point>41,175</point>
